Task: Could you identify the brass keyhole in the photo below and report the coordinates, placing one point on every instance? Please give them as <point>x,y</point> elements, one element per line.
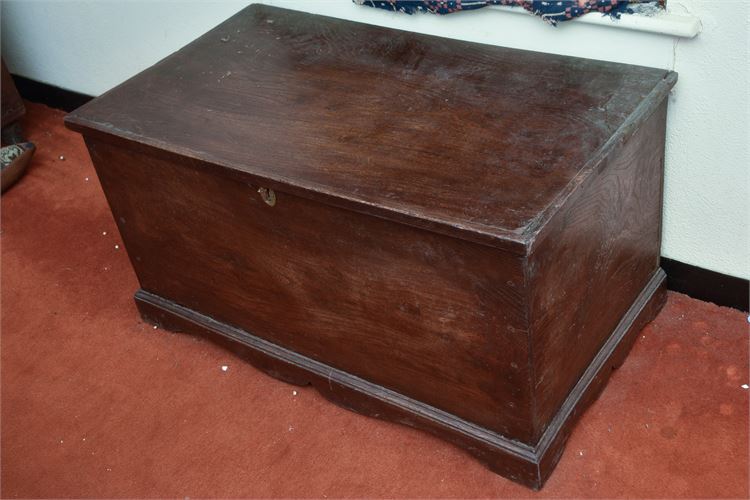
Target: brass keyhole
<point>267,195</point>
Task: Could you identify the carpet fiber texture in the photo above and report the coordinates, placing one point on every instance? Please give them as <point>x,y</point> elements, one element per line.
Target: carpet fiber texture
<point>96,403</point>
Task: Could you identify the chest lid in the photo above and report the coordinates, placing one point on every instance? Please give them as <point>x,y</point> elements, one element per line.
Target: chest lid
<point>477,141</point>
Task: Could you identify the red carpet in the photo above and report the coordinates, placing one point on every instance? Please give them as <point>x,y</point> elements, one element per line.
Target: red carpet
<point>96,403</point>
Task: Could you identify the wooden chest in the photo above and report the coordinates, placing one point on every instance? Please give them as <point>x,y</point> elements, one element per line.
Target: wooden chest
<point>458,237</point>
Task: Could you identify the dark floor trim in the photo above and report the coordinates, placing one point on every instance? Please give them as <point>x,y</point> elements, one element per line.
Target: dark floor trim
<point>706,285</point>
<point>694,281</point>
<point>52,96</point>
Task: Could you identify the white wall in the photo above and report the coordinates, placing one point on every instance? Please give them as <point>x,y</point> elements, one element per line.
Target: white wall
<point>707,184</point>
<point>89,46</point>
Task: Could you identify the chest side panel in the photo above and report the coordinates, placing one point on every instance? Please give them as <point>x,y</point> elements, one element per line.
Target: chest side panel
<point>435,318</point>
<point>592,260</point>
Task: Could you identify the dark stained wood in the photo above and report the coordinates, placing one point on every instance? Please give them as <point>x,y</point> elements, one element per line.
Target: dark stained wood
<point>528,465</point>
<point>383,301</point>
<point>595,255</point>
<point>611,355</point>
<point>457,237</point>
<point>439,133</point>
<point>694,281</point>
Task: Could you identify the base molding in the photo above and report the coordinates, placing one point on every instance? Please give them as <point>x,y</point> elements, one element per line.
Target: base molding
<point>528,465</point>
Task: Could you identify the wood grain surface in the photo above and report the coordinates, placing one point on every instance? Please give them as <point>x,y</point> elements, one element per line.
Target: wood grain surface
<point>383,301</point>
<point>589,262</point>
<point>525,464</point>
<point>464,238</point>
<point>426,130</point>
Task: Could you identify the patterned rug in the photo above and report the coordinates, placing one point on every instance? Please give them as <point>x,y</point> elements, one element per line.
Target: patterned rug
<point>552,11</point>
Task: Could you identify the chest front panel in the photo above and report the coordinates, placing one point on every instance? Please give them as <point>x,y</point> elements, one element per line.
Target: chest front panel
<point>435,318</point>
